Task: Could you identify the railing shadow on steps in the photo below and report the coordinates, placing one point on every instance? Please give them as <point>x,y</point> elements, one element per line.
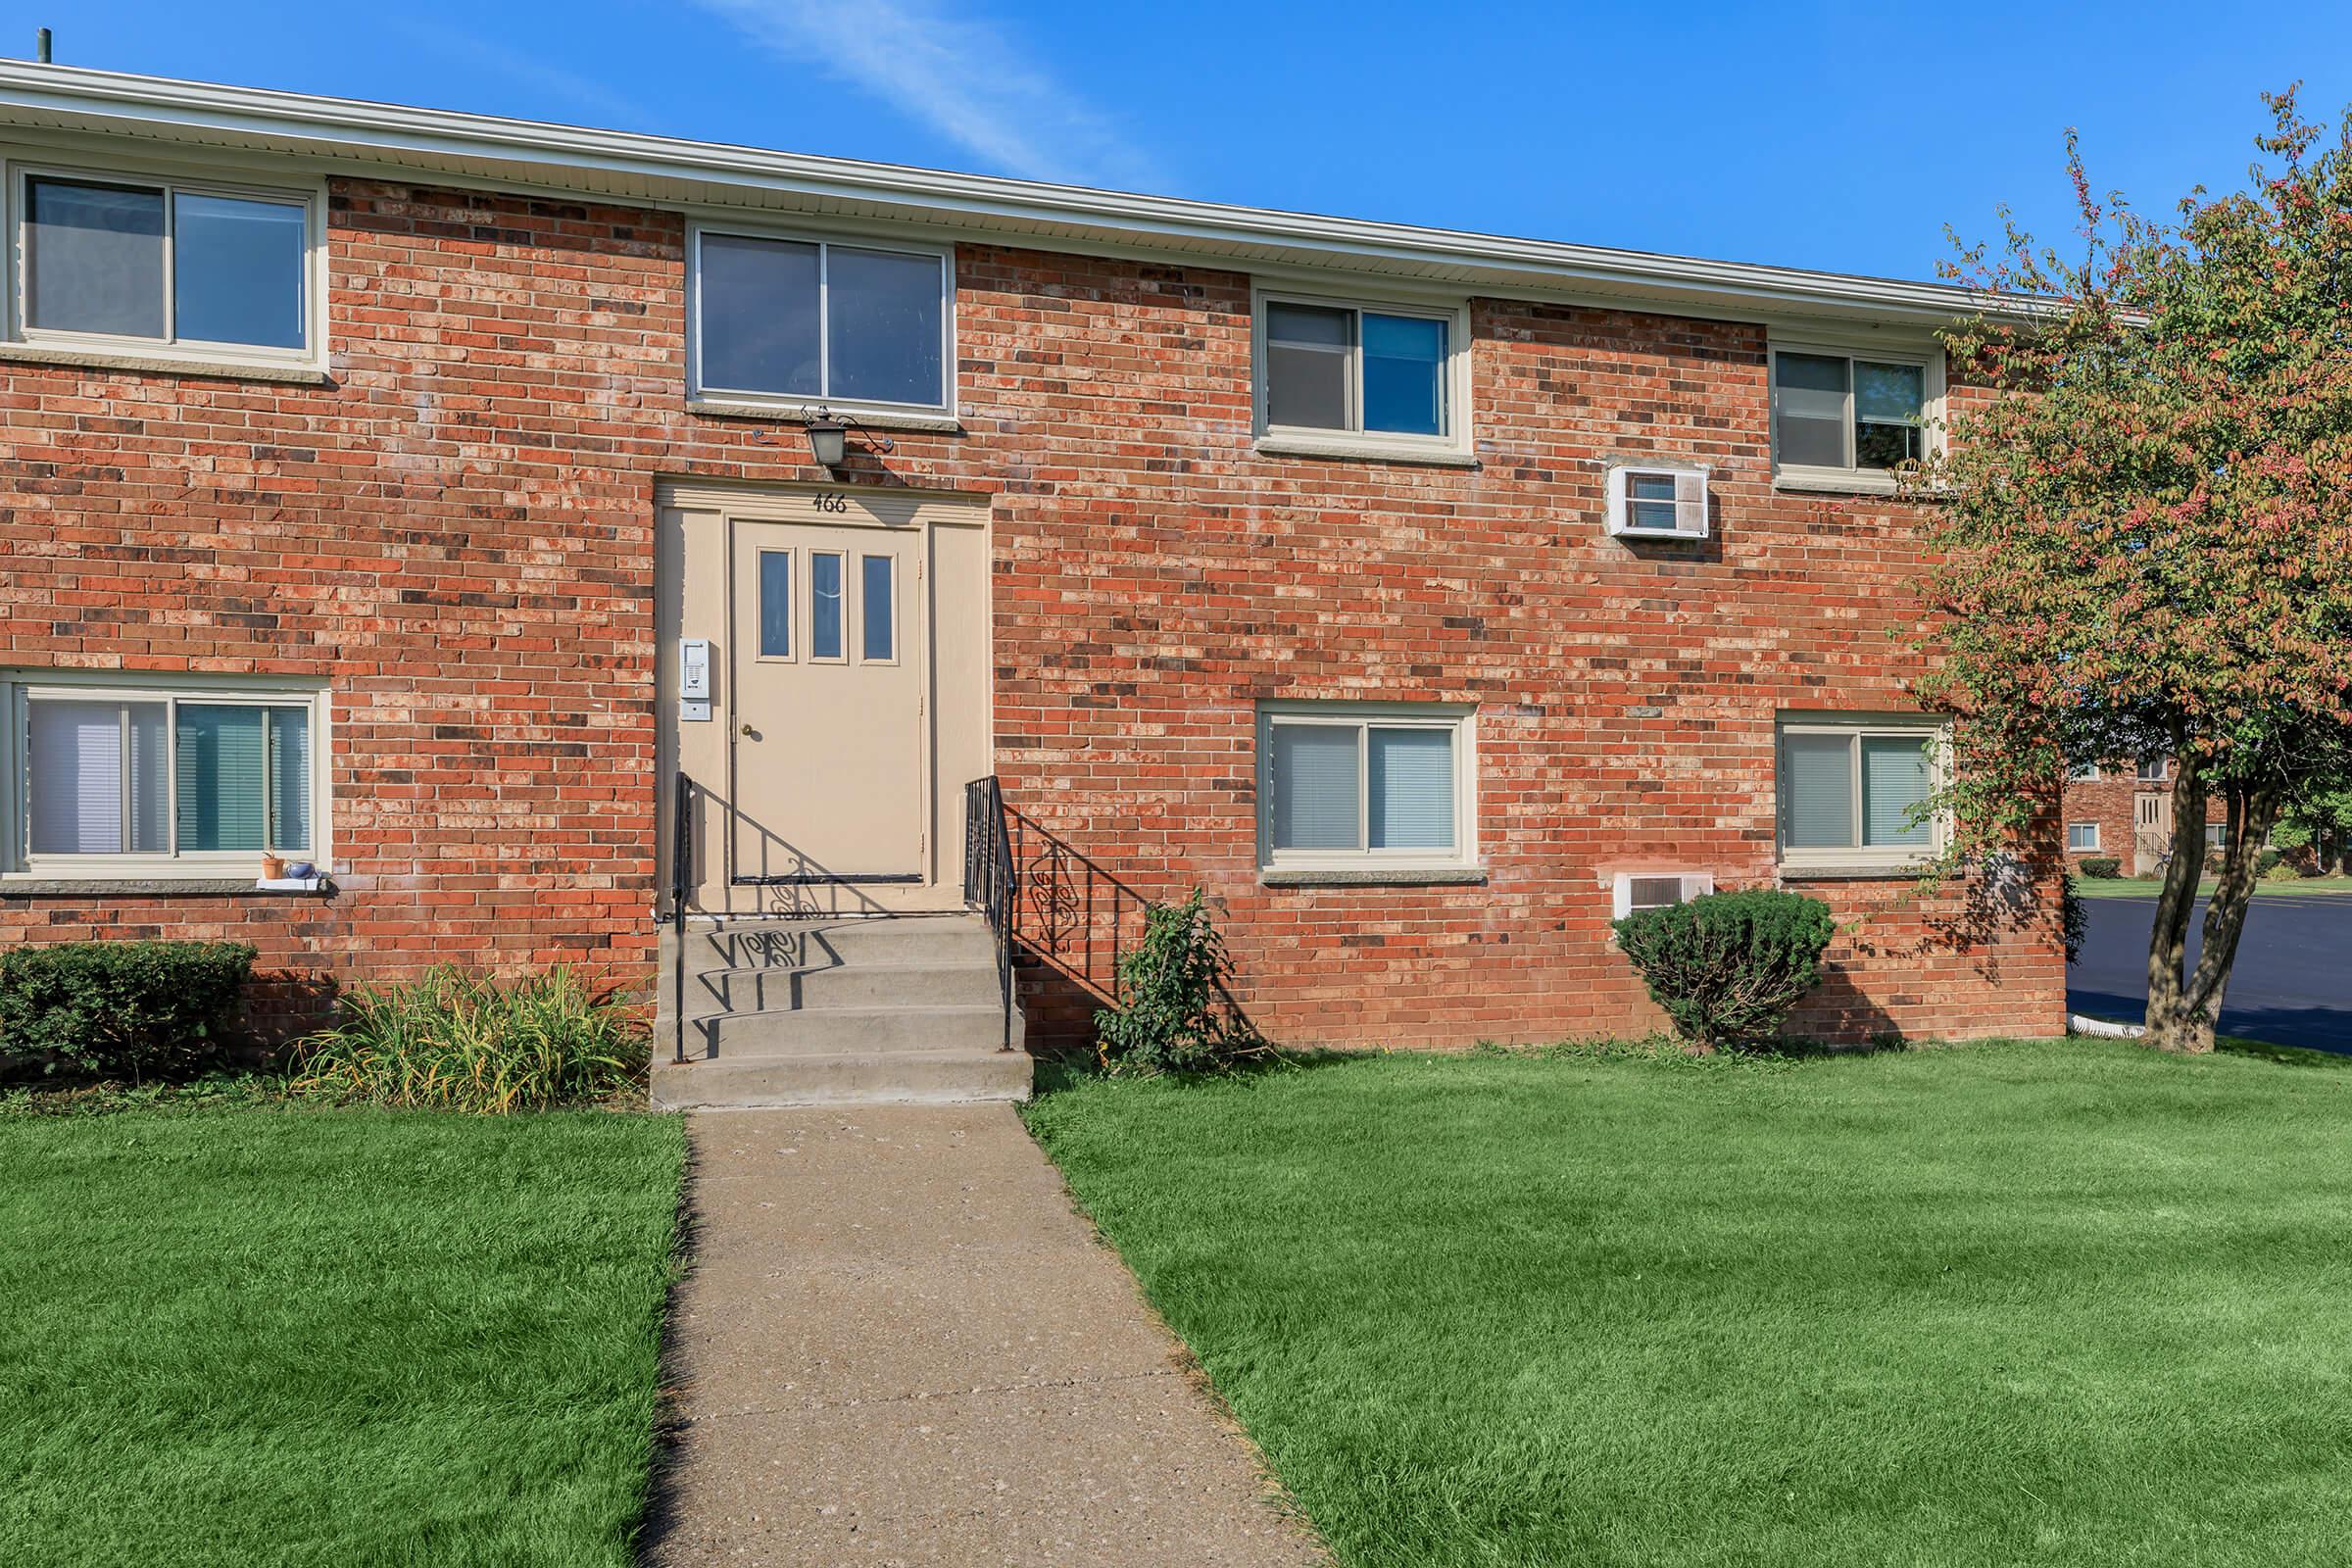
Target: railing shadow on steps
<point>1047,903</point>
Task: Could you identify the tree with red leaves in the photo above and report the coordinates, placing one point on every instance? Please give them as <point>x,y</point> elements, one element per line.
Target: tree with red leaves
<point>2145,531</point>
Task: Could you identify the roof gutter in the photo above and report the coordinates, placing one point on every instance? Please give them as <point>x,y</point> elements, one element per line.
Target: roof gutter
<point>57,96</point>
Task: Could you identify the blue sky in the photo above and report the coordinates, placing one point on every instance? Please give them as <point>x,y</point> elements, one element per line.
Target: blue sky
<point>1841,136</point>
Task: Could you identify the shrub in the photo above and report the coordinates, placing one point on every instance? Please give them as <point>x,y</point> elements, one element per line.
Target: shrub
<point>457,1041</point>
<point>2101,867</point>
<point>1728,967</point>
<point>1168,1018</point>
<point>119,1009</point>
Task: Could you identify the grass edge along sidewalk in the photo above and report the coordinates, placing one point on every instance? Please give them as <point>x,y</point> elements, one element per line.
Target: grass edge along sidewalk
<point>351,1338</point>
<point>2069,1303</point>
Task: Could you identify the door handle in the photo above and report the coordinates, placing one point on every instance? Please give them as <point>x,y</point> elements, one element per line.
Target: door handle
<point>746,729</point>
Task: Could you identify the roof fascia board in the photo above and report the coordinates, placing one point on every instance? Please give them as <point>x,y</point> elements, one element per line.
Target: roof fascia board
<point>529,151</point>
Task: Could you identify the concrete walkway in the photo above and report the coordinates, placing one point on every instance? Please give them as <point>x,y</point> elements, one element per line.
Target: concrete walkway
<point>900,1345</point>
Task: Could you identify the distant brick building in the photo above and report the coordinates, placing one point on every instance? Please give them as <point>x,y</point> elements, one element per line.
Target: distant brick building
<point>2126,813</point>
<point>1428,600</point>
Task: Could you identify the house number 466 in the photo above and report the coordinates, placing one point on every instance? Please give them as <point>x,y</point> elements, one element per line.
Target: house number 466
<point>832,501</point>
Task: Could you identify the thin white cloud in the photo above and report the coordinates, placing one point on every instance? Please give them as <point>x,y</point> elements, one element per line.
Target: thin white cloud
<point>612,109</point>
<point>959,73</point>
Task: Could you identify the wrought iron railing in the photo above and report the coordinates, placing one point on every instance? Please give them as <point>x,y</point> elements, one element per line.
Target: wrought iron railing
<point>681,887</point>
<point>991,881</point>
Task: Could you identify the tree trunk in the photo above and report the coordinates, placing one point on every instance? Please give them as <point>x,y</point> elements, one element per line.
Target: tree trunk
<point>2251,812</point>
<point>2167,937</point>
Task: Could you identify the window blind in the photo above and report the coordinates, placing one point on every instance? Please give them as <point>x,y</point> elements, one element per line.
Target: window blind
<point>77,758</point>
<point>1895,779</point>
<point>290,778</point>
<point>220,773</point>
<point>1410,794</point>
<point>1314,804</point>
<point>1820,785</point>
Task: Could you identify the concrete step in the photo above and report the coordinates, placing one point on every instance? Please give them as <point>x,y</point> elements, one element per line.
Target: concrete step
<point>837,1031</point>
<point>851,985</point>
<point>860,1078</point>
<point>837,943</point>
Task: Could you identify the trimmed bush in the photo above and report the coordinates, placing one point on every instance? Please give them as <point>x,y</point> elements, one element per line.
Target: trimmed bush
<point>2101,867</point>
<point>1728,967</point>
<point>457,1041</point>
<point>119,1009</point>
<point>1169,1018</point>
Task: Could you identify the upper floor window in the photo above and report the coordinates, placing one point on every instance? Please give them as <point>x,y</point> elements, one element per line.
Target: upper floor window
<point>1852,790</point>
<point>2152,770</point>
<point>160,780</point>
<point>1381,377</point>
<point>799,321</point>
<point>2085,772</point>
<point>204,270</point>
<point>1838,415</point>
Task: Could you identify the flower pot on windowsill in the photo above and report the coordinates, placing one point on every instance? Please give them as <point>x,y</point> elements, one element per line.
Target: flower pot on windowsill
<point>273,867</point>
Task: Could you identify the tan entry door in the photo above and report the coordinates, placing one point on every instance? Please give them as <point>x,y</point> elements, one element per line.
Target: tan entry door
<point>831,776</point>
<point>2152,830</point>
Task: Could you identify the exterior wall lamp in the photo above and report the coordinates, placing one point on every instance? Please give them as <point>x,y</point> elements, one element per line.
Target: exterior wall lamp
<point>826,430</point>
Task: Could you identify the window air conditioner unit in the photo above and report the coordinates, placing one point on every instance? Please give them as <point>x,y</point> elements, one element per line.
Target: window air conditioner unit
<point>1657,889</point>
<point>1657,503</point>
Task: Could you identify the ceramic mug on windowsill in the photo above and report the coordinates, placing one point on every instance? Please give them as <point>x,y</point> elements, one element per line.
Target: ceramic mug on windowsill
<point>273,867</point>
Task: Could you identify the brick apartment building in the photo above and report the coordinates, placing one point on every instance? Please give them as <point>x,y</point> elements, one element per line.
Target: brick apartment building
<point>2123,811</point>
<point>416,495</point>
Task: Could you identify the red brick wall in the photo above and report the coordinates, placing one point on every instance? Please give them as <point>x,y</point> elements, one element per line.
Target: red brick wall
<point>457,536</point>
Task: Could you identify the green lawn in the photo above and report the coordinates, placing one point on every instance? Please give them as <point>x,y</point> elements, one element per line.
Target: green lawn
<point>2125,887</point>
<point>2051,1303</point>
<point>340,1337</point>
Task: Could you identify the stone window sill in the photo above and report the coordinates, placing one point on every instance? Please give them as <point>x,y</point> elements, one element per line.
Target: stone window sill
<point>1881,872</point>
<point>100,887</point>
<point>165,364</point>
<point>1373,876</point>
<point>1830,482</point>
<point>799,412</point>
<point>1350,449</point>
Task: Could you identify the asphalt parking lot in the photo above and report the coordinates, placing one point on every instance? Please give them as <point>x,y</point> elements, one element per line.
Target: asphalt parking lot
<point>2291,985</point>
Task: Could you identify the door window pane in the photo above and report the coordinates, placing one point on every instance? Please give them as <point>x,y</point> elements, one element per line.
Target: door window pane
<point>878,608</point>
<point>94,257</point>
<point>1313,769</point>
<point>237,271</point>
<point>96,777</point>
<point>1307,354</point>
<point>290,778</point>
<point>759,309</point>
<point>220,777</point>
<point>883,315</point>
<point>776,604</point>
<point>1410,788</point>
<point>1404,374</point>
<point>1809,409</point>
<point>1820,786</point>
<point>1895,779</point>
<point>825,605</point>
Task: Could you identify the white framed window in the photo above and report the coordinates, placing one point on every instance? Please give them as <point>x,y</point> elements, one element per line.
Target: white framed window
<point>1361,377</point>
<point>2084,773</point>
<point>158,778</point>
<point>1636,890</point>
<point>2152,770</point>
<point>211,270</point>
<point>794,321</point>
<point>2082,838</point>
<point>2213,834</point>
<point>1847,418</point>
<point>1353,785</point>
<point>1849,789</point>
